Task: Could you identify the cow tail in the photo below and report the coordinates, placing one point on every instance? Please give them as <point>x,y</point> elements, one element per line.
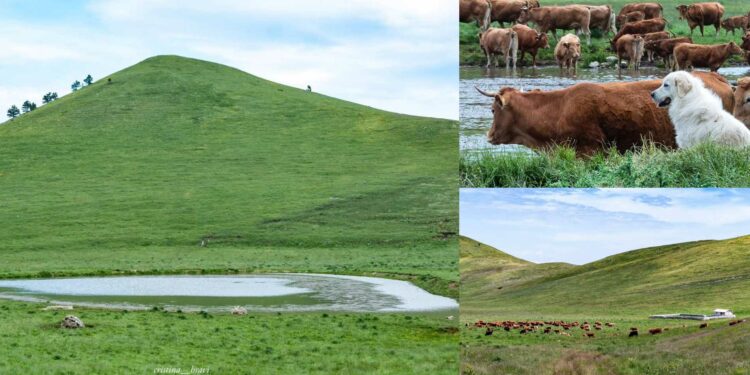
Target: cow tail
<point>514,46</point>
<point>612,21</point>
<point>487,16</point>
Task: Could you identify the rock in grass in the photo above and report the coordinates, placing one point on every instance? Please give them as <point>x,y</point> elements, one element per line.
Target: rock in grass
<point>58,307</point>
<point>239,310</point>
<point>594,65</point>
<point>72,322</point>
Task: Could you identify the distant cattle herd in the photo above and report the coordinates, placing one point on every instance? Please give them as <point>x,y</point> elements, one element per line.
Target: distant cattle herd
<point>567,328</point>
<point>642,25</point>
<point>594,116</point>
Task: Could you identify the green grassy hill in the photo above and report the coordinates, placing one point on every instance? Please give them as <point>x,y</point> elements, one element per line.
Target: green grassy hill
<point>624,289</point>
<point>471,54</point>
<point>132,176</point>
<point>688,277</point>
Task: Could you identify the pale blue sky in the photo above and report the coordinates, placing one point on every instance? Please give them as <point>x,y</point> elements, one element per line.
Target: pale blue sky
<point>398,56</point>
<point>582,225</point>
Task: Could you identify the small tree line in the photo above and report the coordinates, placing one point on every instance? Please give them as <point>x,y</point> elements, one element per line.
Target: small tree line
<point>47,98</point>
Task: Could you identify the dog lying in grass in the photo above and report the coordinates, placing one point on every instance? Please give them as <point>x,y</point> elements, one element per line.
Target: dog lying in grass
<point>697,113</point>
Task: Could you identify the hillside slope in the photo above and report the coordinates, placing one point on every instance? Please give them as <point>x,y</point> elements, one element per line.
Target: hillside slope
<point>688,277</point>
<point>176,153</point>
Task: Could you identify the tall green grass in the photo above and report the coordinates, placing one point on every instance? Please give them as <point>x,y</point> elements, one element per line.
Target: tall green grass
<point>706,165</point>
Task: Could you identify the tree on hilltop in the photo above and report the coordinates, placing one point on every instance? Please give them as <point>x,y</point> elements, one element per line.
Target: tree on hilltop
<point>28,106</point>
<point>75,86</point>
<point>49,97</point>
<point>88,80</point>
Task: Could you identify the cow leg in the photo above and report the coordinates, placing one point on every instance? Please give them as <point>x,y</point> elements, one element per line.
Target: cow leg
<point>533,60</point>
<point>701,27</point>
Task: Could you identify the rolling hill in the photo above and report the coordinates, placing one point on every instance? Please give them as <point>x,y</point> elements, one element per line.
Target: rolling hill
<point>181,165</point>
<point>687,277</point>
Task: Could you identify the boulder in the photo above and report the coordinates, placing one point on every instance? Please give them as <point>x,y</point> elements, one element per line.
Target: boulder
<point>73,322</point>
<point>594,65</point>
<point>239,310</point>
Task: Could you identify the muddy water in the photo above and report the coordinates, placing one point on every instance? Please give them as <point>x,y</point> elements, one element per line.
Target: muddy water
<point>273,292</point>
<point>475,109</point>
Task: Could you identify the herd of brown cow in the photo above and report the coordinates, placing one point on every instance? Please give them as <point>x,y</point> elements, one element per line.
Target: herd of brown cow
<point>641,30</point>
<point>563,328</point>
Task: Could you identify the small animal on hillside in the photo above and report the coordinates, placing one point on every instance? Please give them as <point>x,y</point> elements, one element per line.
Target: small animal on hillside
<point>567,52</point>
<point>697,114</point>
<point>703,325</point>
<point>309,89</point>
<point>655,331</point>
<point>633,332</point>
<point>488,332</point>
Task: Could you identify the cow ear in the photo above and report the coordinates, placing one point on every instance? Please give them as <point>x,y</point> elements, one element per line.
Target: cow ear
<point>683,86</point>
<point>499,99</point>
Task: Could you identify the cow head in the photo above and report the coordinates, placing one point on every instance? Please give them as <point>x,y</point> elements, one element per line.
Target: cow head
<point>524,15</point>
<point>734,49</point>
<point>572,49</point>
<point>542,40</point>
<point>683,10</point>
<point>742,98</point>
<point>503,117</point>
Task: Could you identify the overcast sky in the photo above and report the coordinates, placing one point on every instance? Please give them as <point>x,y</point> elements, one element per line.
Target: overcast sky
<point>582,225</point>
<point>395,55</point>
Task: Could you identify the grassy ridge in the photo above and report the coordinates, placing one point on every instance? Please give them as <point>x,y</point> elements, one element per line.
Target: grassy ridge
<point>175,152</point>
<point>471,54</point>
<point>707,165</point>
<point>624,289</point>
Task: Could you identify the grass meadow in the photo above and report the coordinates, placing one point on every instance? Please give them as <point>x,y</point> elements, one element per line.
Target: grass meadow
<point>180,166</point>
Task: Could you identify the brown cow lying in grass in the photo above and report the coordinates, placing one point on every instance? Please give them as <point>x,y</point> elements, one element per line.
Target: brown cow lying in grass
<point>630,48</point>
<point>567,52</point>
<point>589,116</point>
<point>742,101</point>
<point>552,18</point>
<point>530,40</point>
<point>495,42</point>
<point>649,10</point>
<point>736,22</point>
<point>702,14</point>
<point>688,56</point>
<point>665,49</point>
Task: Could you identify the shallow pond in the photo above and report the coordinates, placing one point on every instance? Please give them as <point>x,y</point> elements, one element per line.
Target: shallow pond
<point>475,109</point>
<point>271,292</point>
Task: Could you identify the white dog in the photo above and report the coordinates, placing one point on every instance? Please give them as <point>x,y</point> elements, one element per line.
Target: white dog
<point>697,113</point>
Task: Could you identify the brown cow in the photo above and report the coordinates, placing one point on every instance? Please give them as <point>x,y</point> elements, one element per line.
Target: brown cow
<point>665,49</point>
<point>650,37</point>
<point>495,42</point>
<point>567,52</point>
<point>688,55</point>
<point>530,40</point>
<point>589,116</point>
<point>508,10</point>
<point>702,14</point>
<point>633,333</point>
<point>552,18</point>
<point>602,18</point>
<point>703,325</point>
<point>736,22</point>
<point>742,101</point>
<point>478,11</point>
<point>655,331</point>
<point>629,17</point>
<point>630,48</point>
<point>642,27</point>
<point>746,46</point>
<point>650,10</point>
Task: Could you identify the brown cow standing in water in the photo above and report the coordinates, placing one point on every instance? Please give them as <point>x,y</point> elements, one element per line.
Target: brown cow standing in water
<point>530,40</point>
<point>478,11</point>
<point>650,37</point>
<point>496,42</point>
<point>642,27</point>
<point>589,116</point>
<point>664,48</point>
<point>567,52</point>
<point>702,14</point>
<point>630,48</point>
<point>552,18</point>
<point>688,55</point>
<point>650,10</point>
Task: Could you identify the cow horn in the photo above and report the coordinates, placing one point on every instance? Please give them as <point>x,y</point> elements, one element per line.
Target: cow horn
<point>485,93</point>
